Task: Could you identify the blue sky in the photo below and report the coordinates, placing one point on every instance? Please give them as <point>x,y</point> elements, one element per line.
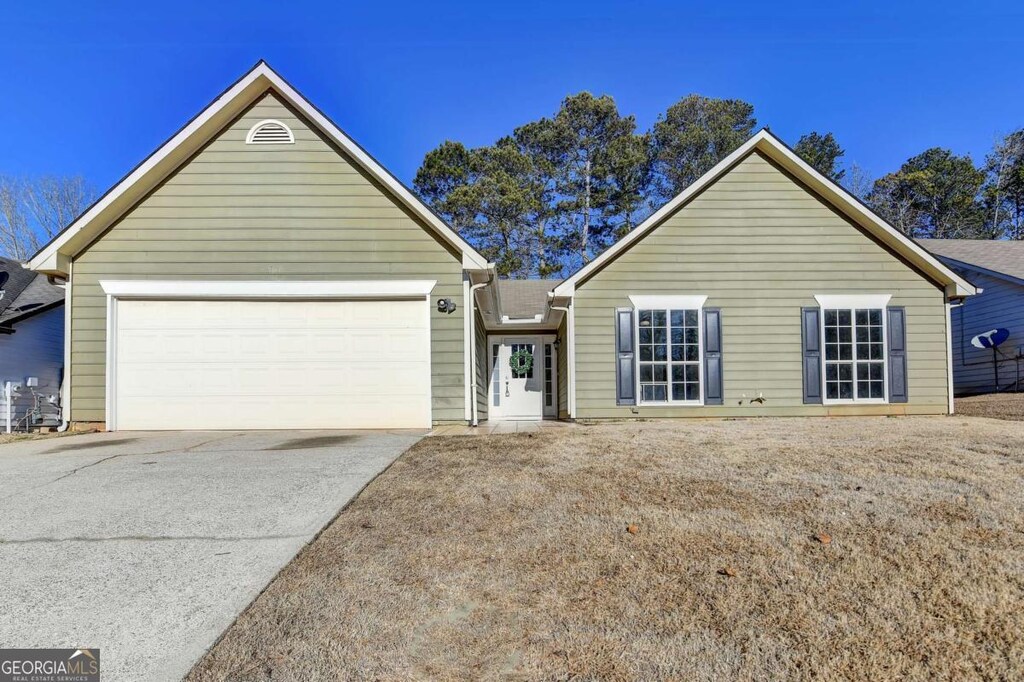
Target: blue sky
<point>93,91</point>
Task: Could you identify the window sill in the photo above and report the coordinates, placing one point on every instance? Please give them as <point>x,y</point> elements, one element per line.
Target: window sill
<point>673,403</point>
<point>869,401</point>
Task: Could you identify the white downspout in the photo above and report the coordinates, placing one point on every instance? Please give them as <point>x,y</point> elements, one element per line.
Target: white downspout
<point>8,399</point>
<point>471,305</point>
<point>570,357</point>
<point>949,354</point>
<point>65,388</point>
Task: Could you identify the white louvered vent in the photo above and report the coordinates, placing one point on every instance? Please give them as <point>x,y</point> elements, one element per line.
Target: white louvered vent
<point>270,132</point>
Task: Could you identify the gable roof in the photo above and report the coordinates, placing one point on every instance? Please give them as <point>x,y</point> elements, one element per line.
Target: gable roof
<point>24,293</point>
<point>993,256</point>
<point>55,256</point>
<point>776,150</point>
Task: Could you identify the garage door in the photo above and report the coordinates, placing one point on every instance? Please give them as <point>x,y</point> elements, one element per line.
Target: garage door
<point>193,364</point>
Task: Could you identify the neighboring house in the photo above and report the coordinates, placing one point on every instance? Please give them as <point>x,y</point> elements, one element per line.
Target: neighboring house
<point>261,270</point>
<point>31,345</point>
<point>997,269</point>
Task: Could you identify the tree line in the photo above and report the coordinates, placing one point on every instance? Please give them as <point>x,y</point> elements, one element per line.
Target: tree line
<point>557,191</point>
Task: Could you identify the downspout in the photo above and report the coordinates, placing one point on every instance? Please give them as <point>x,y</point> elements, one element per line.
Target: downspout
<point>471,304</point>
<point>950,304</point>
<point>65,388</point>
<point>570,358</point>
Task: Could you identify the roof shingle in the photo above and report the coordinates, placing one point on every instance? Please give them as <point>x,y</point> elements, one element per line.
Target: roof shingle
<point>1002,256</point>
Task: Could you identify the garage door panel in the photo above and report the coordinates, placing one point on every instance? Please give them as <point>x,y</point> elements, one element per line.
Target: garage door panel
<point>272,364</point>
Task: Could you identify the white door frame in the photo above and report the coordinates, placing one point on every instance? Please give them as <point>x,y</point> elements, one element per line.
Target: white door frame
<point>543,338</point>
<point>353,290</point>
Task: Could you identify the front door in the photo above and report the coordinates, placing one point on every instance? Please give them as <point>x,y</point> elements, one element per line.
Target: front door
<point>522,377</point>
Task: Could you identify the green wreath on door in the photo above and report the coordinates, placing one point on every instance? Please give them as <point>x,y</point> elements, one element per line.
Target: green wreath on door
<point>521,363</point>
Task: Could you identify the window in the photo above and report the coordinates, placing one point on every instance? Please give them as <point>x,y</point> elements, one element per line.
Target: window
<point>854,353</point>
<point>519,372</point>
<point>270,132</point>
<point>668,352</point>
<point>548,369</point>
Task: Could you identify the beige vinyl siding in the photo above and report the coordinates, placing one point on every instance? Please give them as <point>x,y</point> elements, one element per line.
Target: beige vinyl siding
<point>760,247</point>
<point>1000,305</point>
<point>482,369</point>
<point>266,212</point>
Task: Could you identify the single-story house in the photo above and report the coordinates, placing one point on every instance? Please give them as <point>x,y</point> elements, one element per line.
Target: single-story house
<point>997,269</point>
<point>261,270</point>
<point>31,346</point>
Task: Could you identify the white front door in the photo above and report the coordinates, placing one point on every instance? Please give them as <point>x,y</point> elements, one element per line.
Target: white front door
<point>523,388</point>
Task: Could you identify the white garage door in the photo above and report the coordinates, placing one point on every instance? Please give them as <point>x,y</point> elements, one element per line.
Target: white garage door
<point>192,364</point>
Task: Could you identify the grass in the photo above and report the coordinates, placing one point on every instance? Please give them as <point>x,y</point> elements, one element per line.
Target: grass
<point>1008,406</point>
<point>36,435</point>
<point>851,548</point>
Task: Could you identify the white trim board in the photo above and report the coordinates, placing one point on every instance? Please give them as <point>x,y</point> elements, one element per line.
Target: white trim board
<point>772,147</point>
<point>279,289</point>
<point>853,301</point>
<point>669,301</point>
<point>55,256</point>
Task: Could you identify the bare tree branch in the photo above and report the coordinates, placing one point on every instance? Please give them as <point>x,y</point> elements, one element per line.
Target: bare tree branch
<point>55,201</point>
<point>32,211</point>
<point>17,239</point>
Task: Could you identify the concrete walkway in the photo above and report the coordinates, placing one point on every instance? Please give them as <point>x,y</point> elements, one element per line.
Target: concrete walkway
<point>490,428</point>
<point>149,545</point>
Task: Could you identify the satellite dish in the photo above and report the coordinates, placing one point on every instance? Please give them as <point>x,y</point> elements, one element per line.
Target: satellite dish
<point>990,339</point>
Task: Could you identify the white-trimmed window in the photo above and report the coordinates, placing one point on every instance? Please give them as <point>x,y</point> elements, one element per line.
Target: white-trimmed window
<point>854,340</point>
<point>270,131</point>
<point>669,349</point>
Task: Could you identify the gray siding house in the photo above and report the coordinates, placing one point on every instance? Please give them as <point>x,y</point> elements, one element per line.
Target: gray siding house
<point>31,346</point>
<point>997,269</point>
<point>262,270</point>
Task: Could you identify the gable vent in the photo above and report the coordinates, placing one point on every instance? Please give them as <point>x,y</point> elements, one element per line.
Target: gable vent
<point>270,132</point>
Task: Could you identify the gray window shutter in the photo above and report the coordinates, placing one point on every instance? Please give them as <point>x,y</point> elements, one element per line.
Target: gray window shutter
<point>810,332</point>
<point>625,367</point>
<point>712,356</point>
<point>897,331</point>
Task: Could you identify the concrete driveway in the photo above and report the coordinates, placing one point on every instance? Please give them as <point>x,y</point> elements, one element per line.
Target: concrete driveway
<point>148,545</point>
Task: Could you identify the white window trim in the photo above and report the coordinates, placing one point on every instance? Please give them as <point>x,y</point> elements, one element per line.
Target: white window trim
<point>251,135</point>
<point>118,290</point>
<point>852,303</point>
<point>668,303</point>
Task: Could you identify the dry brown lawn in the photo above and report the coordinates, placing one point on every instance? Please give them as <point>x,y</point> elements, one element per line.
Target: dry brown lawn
<point>34,435</point>
<point>862,549</point>
<point>995,405</point>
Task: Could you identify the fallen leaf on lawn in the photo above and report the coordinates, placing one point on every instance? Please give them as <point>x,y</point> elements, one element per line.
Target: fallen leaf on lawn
<point>632,529</point>
<point>728,570</point>
<point>823,538</point>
